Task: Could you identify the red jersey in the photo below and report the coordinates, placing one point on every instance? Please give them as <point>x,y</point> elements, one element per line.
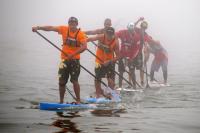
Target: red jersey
<point>130,42</point>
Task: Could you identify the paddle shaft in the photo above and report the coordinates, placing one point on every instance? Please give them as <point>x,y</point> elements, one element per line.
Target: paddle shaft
<point>71,94</point>
<point>142,43</point>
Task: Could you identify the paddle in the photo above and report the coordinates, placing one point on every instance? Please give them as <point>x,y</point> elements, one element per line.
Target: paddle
<point>71,94</point>
<point>142,43</point>
<point>147,85</point>
<point>114,71</point>
<point>67,55</point>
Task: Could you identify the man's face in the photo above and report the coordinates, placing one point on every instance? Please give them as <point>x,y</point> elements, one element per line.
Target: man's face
<point>107,23</point>
<point>73,25</point>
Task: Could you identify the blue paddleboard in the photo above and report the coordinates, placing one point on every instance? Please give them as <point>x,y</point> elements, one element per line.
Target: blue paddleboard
<point>57,106</point>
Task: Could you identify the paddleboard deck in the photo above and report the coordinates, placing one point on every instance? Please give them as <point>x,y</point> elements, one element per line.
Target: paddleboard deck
<point>65,106</point>
<point>158,85</point>
<point>47,106</point>
<point>129,90</point>
<point>100,100</point>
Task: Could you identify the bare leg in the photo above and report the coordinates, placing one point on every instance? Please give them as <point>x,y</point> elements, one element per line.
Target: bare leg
<point>77,90</point>
<point>130,78</point>
<point>129,73</point>
<point>132,72</point>
<point>142,77</point>
<point>165,76</point>
<point>111,83</point>
<point>121,69</point>
<point>62,90</point>
<point>152,70</point>
<point>120,79</point>
<point>151,75</point>
<point>98,89</point>
<point>165,72</point>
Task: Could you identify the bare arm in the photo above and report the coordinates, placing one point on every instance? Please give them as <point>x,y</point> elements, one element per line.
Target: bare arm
<point>80,50</point>
<point>45,28</point>
<point>140,19</point>
<point>94,32</point>
<point>146,53</point>
<point>117,53</point>
<point>95,38</point>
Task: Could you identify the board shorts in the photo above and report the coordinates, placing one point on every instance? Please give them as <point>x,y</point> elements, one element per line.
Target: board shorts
<point>69,68</point>
<point>137,62</point>
<point>105,71</point>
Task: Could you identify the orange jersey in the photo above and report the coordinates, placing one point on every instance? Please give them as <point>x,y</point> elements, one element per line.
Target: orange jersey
<point>105,50</point>
<point>77,38</point>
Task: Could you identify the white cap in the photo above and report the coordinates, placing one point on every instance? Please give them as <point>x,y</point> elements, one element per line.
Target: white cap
<point>130,26</point>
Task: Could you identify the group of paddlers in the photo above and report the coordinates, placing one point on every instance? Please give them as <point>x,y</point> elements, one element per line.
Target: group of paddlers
<point>129,47</point>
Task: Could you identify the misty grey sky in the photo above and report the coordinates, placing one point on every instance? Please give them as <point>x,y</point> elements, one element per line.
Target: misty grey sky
<point>174,22</point>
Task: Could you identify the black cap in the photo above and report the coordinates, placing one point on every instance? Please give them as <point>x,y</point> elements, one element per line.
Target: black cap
<point>73,19</point>
<point>110,30</point>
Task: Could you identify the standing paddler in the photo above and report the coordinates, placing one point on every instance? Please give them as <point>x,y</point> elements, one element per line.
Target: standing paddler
<point>108,46</point>
<point>74,42</point>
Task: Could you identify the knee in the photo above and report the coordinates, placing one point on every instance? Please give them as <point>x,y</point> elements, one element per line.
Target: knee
<point>62,83</point>
<point>74,82</point>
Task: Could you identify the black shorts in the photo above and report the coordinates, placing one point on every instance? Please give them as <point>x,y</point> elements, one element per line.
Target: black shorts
<point>136,62</point>
<point>105,71</point>
<point>69,68</point>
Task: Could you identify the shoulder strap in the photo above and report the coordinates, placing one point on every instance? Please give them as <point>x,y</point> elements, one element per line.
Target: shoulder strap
<point>76,36</point>
<point>112,45</point>
<point>104,38</point>
<point>77,33</point>
<point>68,32</point>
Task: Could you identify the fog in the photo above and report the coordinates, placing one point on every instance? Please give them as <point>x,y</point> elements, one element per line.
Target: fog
<point>175,23</point>
<point>29,65</point>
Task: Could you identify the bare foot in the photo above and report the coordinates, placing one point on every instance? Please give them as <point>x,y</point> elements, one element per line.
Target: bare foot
<point>78,102</point>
